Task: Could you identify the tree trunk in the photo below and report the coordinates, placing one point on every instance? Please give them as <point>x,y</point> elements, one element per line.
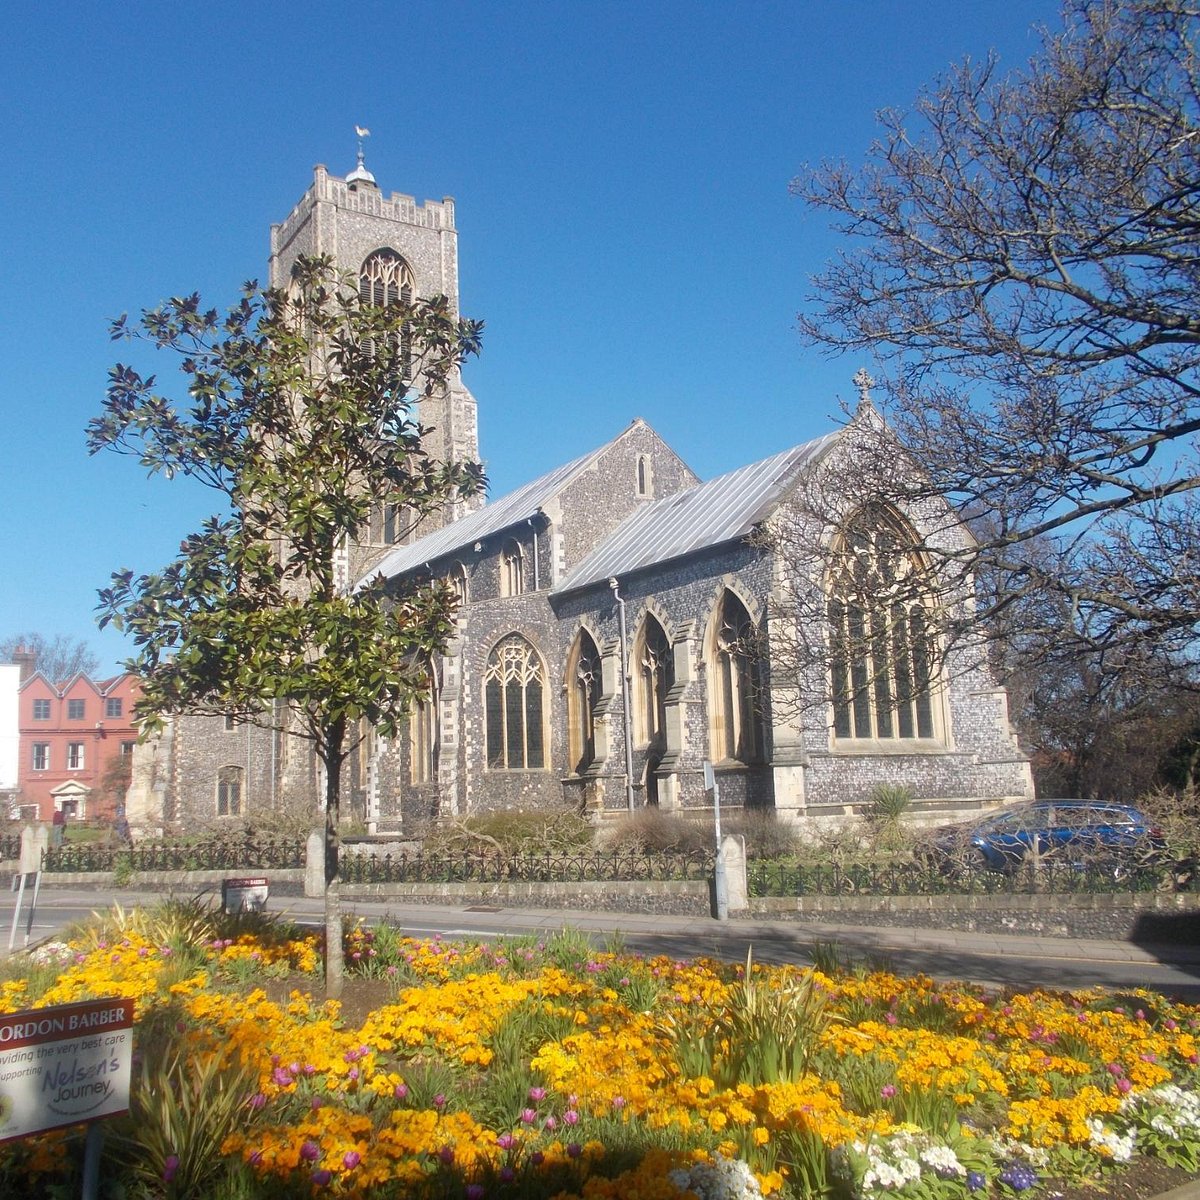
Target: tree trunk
<point>332,761</point>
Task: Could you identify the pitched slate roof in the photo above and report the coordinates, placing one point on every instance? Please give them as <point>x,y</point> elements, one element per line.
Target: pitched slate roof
<point>709,514</point>
<point>502,514</point>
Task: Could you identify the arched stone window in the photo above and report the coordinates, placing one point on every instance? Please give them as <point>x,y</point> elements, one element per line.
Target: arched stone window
<point>734,687</point>
<point>385,278</point>
<point>456,577</point>
<point>654,675</point>
<point>423,735</point>
<point>881,639</point>
<point>230,782</point>
<point>512,569</point>
<point>583,693</point>
<point>514,706</point>
<point>643,476</point>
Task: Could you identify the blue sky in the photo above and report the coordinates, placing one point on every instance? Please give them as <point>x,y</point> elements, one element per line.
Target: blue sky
<point>625,230</point>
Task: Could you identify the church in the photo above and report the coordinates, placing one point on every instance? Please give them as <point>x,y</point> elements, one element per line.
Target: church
<point>622,631</point>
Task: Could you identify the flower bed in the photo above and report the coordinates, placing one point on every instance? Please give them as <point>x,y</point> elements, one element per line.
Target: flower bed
<point>532,1068</point>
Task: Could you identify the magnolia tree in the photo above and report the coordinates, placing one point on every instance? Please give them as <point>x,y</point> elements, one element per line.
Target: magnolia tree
<point>1022,258</point>
<point>297,410</point>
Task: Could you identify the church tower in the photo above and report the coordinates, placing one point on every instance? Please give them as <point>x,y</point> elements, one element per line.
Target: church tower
<point>397,249</point>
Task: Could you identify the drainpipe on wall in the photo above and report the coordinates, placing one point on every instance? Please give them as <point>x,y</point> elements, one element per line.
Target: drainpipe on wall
<point>612,583</point>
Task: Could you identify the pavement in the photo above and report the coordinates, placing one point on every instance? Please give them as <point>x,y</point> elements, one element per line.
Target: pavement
<point>998,959</point>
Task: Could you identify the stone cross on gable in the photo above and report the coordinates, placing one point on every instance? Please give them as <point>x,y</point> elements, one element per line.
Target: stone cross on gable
<point>864,382</point>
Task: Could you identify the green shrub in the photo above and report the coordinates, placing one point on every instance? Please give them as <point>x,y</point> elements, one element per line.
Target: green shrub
<point>182,1108</point>
<point>889,802</point>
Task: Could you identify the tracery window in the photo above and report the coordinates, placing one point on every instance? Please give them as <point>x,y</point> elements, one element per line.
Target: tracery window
<point>385,278</point>
<point>654,676</point>
<point>512,569</point>
<point>734,684</point>
<point>514,705</point>
<point>881,641</point>
<point>583,694</point>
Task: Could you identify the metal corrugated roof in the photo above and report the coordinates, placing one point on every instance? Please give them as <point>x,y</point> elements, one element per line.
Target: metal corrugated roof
<point>483,522</point>
<point>720,510</point>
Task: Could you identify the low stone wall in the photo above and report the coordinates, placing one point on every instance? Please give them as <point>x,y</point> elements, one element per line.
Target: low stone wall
<point>1136,917</point>
<point>1128,916</point>
<point>677,899</point>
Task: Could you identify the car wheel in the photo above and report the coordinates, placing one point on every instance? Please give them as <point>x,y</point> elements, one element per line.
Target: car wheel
<point>974,859</point>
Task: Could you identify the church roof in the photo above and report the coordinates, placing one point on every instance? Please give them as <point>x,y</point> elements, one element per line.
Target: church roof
<point>502,514</point>
<point>709,514</point>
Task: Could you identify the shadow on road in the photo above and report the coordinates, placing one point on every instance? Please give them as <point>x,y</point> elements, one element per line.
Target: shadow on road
<point>947,963</point>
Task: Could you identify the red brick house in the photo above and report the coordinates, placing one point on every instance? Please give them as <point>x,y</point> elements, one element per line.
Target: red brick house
<point>71,734</point>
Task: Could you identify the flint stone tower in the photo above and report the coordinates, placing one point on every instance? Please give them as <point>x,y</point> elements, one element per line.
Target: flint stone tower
<point>398,249</point>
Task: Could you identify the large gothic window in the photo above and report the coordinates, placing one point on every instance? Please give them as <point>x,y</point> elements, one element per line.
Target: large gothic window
<point>384,279</point>
<point>654,675</point>
<point>514,704</point>
<point>583,693</point>
<point>734,684</point>
<point>881,641</point>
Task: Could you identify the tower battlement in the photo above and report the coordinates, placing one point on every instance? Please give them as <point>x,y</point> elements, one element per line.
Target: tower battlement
<point>368,200</point>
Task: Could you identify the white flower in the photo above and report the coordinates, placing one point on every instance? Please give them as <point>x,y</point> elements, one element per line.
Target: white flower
<point>721,1179</point>
<point>1119,1146</point>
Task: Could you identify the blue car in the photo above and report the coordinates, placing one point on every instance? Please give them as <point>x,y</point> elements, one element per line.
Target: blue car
<point>1075,832</point>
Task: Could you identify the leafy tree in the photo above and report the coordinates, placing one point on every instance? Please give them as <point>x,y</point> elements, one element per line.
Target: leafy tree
<point>59,658</point>
<point>298,413</point>
<point>1023,257</point>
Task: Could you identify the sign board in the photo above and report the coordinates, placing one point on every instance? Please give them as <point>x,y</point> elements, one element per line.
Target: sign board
<point>63,1065</point>
<point>244,895</point>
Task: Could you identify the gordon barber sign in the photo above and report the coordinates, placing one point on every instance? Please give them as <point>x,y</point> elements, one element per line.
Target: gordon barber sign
<point>63,1065</point>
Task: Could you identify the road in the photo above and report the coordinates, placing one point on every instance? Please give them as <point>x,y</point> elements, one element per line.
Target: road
<point>995,959</point>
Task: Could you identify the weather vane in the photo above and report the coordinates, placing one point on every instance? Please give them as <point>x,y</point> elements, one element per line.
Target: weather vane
<point>362,133</point>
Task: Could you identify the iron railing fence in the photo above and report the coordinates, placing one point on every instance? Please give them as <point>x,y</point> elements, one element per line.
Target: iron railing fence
<point>778,877</point>
<point>595,866</point>
<point>766,877</point>
<point>252,854</point>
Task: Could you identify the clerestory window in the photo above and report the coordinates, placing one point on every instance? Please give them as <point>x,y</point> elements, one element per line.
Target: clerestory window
<point>512,569</point>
